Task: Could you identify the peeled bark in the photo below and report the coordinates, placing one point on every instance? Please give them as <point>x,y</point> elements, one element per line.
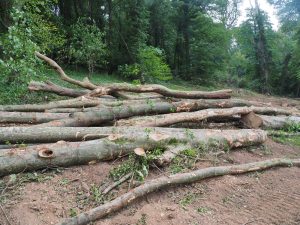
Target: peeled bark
<point>30,117</point>
<point>115,144</point>
<point>177,179</point>
<point>54,88</point>
<point>174,118</point>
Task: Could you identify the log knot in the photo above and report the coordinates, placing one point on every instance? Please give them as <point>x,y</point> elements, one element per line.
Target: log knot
<point>46,153</point>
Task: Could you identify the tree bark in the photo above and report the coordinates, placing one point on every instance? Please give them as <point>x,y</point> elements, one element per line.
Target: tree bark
<point>177,179</point>
<point>174,118</point>
<point>48,86</point>
<point>54,134</point>
<point>279,122</point>
<point>30,117</point>
<point>115,144</point>
<point>85,83</point>
<point>111,89</point>
<point>79,102</point>
<point>102,115</point>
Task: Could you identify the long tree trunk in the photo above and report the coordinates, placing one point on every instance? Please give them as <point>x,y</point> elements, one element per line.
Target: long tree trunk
<point>279,122</point>
<point>115,144</point>
<point>177,179</point>
<point>174,118</point>
<point>80,102</point>
<point>54,134</point>
<point>30,117</point>
<point>48,86</point>
<point>111,89</point>
<point>102,115</point>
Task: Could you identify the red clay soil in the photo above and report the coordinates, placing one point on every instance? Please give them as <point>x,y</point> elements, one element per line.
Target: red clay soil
<point>269,197</point>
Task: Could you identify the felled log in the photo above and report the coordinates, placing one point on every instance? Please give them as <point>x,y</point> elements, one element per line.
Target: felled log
<point>279,122</point>
<point>177,179</point>
<point>174,118</point>
<point>251,120</point>
<point>48,86</point>
<point>79,102</point>
<point>111,89</point>
<point>116,144</point>
<point>275,111</point>
<point>30,117</point>
<point>97,117</point>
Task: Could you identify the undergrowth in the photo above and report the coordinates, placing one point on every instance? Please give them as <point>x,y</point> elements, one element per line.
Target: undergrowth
<point>289,134</point>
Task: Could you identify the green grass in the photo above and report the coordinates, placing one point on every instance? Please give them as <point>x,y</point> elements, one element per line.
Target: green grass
<point>19,95</point>
<point>295,141</point>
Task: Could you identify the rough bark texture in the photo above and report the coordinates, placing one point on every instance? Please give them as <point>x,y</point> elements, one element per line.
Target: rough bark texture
<point>163,182</point>
<point>115,144</point>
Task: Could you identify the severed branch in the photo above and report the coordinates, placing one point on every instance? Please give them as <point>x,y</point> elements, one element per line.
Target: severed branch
<point>117,183</point>
<point>48,86</point>
<point>111,89</point>
<point>164,182</point>
<point>85,83</point>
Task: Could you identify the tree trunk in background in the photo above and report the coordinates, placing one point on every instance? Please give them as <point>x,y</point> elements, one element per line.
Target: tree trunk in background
<point>284,72</point>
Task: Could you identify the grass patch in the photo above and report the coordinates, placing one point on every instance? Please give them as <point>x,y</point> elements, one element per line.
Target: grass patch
<point>188,199</point>
<point>294,140</point>
<point>203,210</point>
<point>139,166</point>
<point>18,94</point>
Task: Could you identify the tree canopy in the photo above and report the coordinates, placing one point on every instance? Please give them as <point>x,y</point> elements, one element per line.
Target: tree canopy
<point>144,40</point>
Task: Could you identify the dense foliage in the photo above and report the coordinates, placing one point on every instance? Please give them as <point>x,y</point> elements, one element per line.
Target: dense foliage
<point>148,40</point>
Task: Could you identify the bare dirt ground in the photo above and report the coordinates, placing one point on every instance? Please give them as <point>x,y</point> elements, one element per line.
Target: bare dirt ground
<point>259,198</point>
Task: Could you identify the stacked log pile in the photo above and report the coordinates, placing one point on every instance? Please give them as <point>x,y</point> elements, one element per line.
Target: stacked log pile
<point>102,122</point>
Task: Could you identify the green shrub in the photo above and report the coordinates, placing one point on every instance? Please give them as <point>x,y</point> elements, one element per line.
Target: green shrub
<point>87,44</point>
<point>151,65</point>
<point>19,64</point>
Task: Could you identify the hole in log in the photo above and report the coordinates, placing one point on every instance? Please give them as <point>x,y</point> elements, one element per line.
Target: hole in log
<point>46,153</point>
